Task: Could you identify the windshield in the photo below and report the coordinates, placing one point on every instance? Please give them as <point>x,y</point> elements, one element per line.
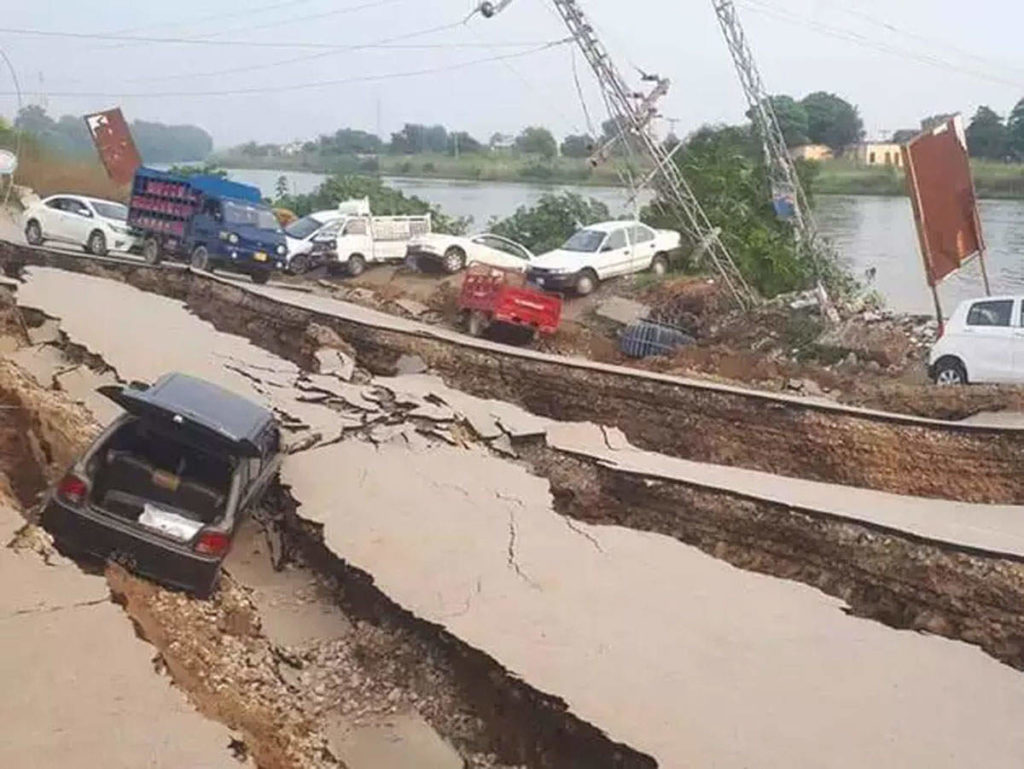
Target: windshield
<point>111,210</point>
<point>585,240</point>
<point>254,216</point>
<point>303,228</point>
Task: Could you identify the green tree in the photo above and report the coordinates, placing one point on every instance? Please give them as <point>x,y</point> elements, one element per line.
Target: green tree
<point>384,201</point>
<point>934,121</point>
<point>537,141</point>
<point>987,135</point>
<point>281,187</point>
<point>904,135</point>
<point>465,143</point>
<point>578,146</point>
<point>832,121</point>
<point>551,221</point>
<point>203,169</point>
<point>792,117</point>
<point>725,167</point>
<point>415,139</point>
<point>1015,130</point>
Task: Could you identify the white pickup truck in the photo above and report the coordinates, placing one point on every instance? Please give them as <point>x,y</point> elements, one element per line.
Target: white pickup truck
<point>351,237</point>
<point>367,239</point>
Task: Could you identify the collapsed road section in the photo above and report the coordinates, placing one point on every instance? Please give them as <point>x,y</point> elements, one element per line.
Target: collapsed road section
<point>571,629</point>
<point>685,418</point>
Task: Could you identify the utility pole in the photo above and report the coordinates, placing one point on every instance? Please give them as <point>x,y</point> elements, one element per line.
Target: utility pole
<point>633,112</point>
<point>782,174</point>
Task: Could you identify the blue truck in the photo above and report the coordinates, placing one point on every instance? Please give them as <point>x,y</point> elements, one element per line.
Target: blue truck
<point>209,221</point>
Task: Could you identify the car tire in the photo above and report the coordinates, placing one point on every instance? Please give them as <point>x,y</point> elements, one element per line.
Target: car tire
<point>950,372</point>
<point>300,264</point>
<point>585,283</point>
<point>356,265</point>
<point>260,277</point>
<point>151,251</point>
<point>97,243</point>
<point>34,233</point>
<point>454,260</point>
<point>201,259</point>
<point>659,265</point>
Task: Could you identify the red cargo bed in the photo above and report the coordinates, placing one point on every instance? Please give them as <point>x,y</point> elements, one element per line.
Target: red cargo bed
<point>492,295</point>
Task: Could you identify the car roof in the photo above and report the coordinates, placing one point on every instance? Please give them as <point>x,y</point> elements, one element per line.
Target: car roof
<point>326,217</point>
<point>232,416</point>
<point>611,226</point>
<point>99,200</point>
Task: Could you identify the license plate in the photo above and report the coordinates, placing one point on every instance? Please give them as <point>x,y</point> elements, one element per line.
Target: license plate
<point>260,256</point>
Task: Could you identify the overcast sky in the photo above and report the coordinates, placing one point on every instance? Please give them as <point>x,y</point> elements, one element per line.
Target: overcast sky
<point>897,61</point>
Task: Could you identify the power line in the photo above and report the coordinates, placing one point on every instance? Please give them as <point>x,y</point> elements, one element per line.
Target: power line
<point>854,37</point>
<point>307,57</point>
<point>214,17</point>
<point>298,86</point>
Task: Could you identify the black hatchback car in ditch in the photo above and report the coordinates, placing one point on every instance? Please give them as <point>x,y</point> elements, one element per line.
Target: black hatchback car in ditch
<point>163,489</point>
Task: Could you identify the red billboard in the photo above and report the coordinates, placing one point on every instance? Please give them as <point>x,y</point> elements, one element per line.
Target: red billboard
<point>113,140</point>
<point>942,191</point>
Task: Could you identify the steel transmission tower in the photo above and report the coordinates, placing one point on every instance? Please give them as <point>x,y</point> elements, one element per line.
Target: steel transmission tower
<point>782,173</point>
<point>633,112</point>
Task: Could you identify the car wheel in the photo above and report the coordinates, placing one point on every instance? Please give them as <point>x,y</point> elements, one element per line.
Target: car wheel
<point>586,282</point>
<point>151,251</point>
<point>300,264</point>
<point>950,372</point>
<point>260,276</point>
<point>454,260</point>
<point>356,265</point>
<point>201,259</point>
<point>659,265</point>
<point>97,244</point>
<point>34,233</point>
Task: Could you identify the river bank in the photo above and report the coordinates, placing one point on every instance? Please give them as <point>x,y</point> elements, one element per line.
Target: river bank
<point>993,180</point>
<point>475,167</point>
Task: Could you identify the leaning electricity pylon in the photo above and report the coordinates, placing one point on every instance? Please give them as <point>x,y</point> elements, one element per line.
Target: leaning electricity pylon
<point>788,194</point>
<point>633,112</point>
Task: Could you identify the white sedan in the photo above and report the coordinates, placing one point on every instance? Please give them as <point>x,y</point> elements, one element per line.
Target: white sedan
<point>97,225</point>
<point>453,252</point>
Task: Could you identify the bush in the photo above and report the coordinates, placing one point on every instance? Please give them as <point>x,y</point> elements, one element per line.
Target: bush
<point>548,224</point>
<point>384,201</point>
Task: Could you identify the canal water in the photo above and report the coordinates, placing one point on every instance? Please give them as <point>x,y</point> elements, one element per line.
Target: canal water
<point>871,233</point>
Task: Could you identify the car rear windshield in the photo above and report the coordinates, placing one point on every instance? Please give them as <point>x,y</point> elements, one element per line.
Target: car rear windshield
<point>141,466</point>
<point>587,241</point>
<point>303,228</point>
<point>254,216</point>
<point>111,210</point>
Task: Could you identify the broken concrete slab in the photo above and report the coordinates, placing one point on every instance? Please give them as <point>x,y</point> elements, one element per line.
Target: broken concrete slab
<point>410,364</point>
<point>42,362</point>
<point>46,333</point>
<point>411,306</point>
<point>82,691</point>
<point>400,741</point>
<point>81,384</point>
<point>522,590</point>
<point>335,363</point>
<point>621,310</point>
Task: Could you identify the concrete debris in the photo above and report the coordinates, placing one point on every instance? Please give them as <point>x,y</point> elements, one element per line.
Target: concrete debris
<point>410,364</point>
<point>46,333</point>
<point>335,363</point>
<point>401,741</point>
<point>621,310</point>
<point>411,307</point>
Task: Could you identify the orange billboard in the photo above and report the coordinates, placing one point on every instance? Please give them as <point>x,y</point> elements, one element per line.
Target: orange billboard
<point>113,140</point>
<point>942,191</point>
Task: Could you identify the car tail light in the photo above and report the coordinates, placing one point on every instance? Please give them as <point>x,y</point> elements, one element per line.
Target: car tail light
<point>212,543</point>
<point>73,489</point>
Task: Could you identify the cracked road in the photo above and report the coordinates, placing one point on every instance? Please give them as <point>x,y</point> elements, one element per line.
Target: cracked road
<point>664,648</point>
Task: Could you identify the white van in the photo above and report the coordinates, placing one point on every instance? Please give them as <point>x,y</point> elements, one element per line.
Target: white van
<point>367,239</point>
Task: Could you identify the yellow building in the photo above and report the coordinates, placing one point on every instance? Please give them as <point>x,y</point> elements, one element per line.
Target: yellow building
<point>877,154</point>
<point>817,152</point>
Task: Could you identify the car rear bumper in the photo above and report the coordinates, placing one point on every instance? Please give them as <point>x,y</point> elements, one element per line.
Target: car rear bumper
<point>103,536</point>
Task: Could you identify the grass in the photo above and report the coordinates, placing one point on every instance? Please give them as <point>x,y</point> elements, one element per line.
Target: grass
<point>482,166</point>
<point>841,177</point>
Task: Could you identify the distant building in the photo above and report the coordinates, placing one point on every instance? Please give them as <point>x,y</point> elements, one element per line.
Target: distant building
<point>502,142</point>
<point>877,154</point>
<point>811,152</point>
<point>291,149</point>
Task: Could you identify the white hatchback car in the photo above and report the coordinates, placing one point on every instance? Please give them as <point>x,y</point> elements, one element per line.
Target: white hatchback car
<point>97,225</point>
<point>983,341</point>
<point>602,251</point>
